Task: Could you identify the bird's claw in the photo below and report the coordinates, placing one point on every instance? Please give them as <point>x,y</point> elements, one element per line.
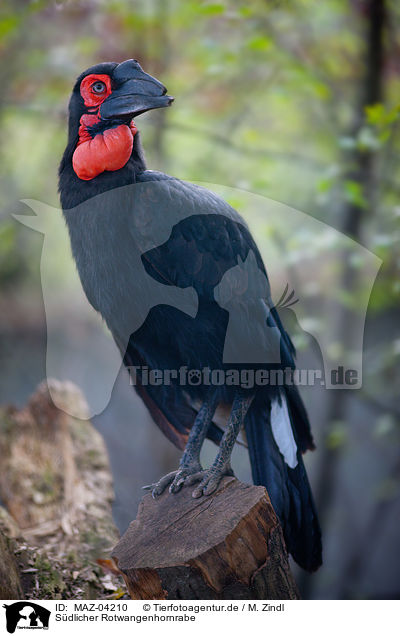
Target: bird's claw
<point>182,477</point>
<point>210,480</point>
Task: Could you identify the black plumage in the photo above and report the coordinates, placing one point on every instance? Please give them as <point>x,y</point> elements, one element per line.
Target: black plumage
<point>168,264</point>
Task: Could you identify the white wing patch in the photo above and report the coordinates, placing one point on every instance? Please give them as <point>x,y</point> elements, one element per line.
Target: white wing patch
<point>282,432</point>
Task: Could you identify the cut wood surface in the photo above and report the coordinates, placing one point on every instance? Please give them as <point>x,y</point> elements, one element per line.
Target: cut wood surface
<point>225,546</point>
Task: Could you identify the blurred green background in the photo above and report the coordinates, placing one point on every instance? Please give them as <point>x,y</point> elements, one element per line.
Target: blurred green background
<point>297,101</point>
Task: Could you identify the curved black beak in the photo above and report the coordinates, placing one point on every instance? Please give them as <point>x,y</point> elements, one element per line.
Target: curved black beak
<point>135,93</point>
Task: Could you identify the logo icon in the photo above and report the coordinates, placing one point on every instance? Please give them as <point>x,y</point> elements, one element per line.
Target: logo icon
<point>26,615</point>
<point>160,232</point>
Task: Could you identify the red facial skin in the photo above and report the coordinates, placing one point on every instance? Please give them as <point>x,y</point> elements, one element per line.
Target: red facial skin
<point>109,150</point>
<point>91,98</point>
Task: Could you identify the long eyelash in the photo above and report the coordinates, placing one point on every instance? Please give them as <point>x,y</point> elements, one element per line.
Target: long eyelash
<point>284,300</point>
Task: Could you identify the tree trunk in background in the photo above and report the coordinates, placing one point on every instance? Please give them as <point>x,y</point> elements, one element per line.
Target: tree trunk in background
<point>362,171</point>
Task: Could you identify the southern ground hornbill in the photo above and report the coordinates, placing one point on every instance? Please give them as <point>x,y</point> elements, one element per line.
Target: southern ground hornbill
<point>134,233</point>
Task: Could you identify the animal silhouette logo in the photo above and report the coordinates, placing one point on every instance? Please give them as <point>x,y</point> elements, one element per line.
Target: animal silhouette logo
<point>26,615</point>
<point>243,291</point>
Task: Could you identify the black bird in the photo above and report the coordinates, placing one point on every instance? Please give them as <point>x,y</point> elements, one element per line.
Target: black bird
<point>179,280</point>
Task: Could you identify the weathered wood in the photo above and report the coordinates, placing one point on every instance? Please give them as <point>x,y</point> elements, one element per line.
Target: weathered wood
<point>225,546</point>
<point>56,487</point>
<point>10,584</point>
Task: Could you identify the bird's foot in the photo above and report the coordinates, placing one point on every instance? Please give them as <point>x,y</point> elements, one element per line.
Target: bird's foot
<point>209,480</point>
<point>184,476</point>
<point>187,476</point>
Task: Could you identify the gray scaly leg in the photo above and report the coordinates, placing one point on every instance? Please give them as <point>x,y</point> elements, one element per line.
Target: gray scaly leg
<point>190,460</point>
<point>210,479</point>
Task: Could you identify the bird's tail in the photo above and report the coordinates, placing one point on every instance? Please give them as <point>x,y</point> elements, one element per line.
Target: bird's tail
<point>276,435</point>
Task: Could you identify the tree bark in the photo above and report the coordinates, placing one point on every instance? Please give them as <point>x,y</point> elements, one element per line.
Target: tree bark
<point>56,488</point>
<point>10,584</point>
<point>225,546</point>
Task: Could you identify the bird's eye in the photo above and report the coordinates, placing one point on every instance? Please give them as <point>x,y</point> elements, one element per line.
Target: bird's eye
<point>98,87</point>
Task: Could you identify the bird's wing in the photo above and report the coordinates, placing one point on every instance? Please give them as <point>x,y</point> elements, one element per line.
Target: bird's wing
<point>205,244</point>
<point>167,404</point>
<point>194,239</point>
<point>202,237</point>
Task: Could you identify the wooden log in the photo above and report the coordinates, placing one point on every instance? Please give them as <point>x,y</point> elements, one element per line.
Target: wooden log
<point>10,584</point>
<point>225,546</point>
<point>56,487</point>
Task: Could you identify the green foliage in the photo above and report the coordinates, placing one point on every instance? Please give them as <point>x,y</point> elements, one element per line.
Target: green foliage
<point>337,436</point>
<point>354,193</point>
<point>267,99</point>
<point>266,95</point>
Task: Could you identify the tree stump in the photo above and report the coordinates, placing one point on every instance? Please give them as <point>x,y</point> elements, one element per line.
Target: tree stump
<point>225,546</point>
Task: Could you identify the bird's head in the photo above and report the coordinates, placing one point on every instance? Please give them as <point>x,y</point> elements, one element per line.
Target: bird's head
<point>116,92</point>
<point>104,101</point>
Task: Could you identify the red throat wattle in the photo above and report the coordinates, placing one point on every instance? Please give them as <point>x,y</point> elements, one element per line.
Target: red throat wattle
<point>106,151</point>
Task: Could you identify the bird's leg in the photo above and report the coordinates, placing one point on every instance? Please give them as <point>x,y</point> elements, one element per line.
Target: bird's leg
<point>190,460</point>
<point>210,479</point>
